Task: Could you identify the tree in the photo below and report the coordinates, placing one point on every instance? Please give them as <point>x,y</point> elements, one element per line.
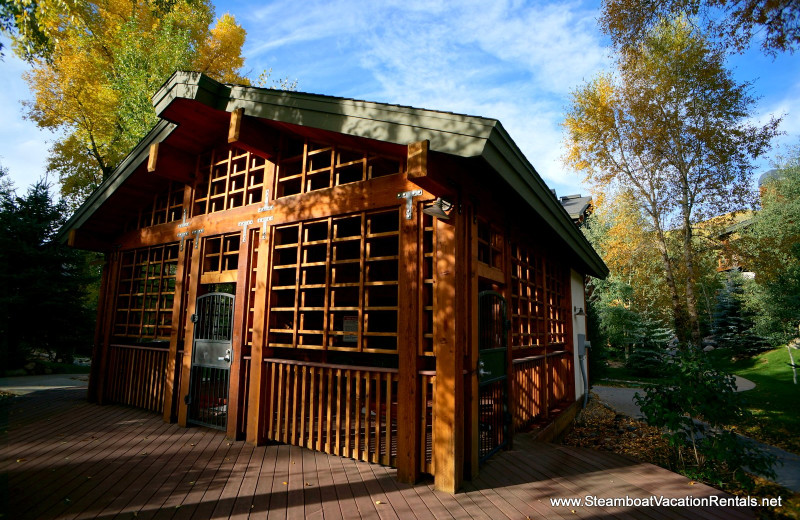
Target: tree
<point>770,246</point>
<point>44,303</point>
<point>670,127</point>
<point>733,22</point>
<point>95,64</point>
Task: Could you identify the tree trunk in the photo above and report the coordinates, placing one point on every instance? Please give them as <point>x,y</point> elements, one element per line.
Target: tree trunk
<point>691,300</point>
<point>679,314</point>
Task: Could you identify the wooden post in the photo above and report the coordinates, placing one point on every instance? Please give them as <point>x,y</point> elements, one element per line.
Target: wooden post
<point>258,399</point>
<point>472,396</point>
<point>239,332</point>
<point>448,400</point>
<point>188,341</point>
<point>108,325</point>
<point>409,450</point>
<point>175,333</point>
<point>106,292</point>
<point>511,380</point>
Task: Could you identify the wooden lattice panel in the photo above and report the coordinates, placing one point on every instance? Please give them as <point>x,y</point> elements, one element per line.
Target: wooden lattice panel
<point>334,283</point>
<point>427,237</point>
<point>145,292</point>
<point>557,288</point>
<point>527,298</point>
<point>490,244</point>
<point>221,258</point>
<point>164,206</point>
<point>230,178</point>
<point>306,165</point>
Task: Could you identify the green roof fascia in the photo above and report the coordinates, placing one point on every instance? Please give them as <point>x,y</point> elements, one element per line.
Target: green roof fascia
<point>511,164</point>
<point>447,132</point>
<point>120,174</point>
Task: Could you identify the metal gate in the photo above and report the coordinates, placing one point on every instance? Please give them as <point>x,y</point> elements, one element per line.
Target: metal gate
<point>493,416</point>
<point>211,361</point>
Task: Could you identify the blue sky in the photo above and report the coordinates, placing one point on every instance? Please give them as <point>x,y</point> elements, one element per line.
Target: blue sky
<point>511,60</point>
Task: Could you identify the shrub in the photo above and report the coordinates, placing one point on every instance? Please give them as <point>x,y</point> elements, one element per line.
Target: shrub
<point>693,407</point>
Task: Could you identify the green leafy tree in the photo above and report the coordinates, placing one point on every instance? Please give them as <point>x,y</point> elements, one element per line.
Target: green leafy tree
<point>671,127</point>
<point>44,304</point>
<point>733,22</point>
<point>770,246</point>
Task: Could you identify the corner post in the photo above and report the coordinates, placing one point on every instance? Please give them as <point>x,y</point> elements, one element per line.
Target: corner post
<point>258,400</point>
<point>188,341</point>
<point>175,334</point>
<point>409,411</point>
<point>448,401</point>
<point>239,332</point>
<point>108,325</point>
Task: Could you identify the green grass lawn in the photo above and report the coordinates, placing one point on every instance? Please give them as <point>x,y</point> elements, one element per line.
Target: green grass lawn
<point>774,402</point>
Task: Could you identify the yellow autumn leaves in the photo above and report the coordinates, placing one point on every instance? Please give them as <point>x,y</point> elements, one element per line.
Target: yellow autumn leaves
<point>101,61</point>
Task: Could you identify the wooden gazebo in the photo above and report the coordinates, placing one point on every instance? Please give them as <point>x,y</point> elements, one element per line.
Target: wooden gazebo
<point>373,281</point>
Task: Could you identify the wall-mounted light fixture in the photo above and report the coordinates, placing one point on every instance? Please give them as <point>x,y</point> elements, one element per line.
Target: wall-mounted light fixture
<point>439,209</point>
<point>578,311</point>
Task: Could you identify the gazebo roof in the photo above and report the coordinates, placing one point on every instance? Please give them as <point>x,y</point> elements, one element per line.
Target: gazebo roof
<point>195,113</point>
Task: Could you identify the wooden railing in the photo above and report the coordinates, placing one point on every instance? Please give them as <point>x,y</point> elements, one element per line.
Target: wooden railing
<point>136,376</point>
<point>428,384</point>
<point>540,383</point>
<point>338,409</point>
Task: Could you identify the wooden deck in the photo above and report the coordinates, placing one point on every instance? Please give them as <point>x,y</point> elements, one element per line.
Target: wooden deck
<point>65,458</point>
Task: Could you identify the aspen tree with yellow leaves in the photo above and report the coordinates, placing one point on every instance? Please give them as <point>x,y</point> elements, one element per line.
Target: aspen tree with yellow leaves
<point>732,22</point>
<point>670,126</point>
<point>95,64</point>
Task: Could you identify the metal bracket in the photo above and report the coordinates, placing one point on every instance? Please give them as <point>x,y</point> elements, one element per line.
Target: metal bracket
<point>409,196</point>
<point>266,206</point>
<point>183,236</point>
<point>197,233</point>
<point>184,223</point>
<point>263,221</point>
<point>243,224</point>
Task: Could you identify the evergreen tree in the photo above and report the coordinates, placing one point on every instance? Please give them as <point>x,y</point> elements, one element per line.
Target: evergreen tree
<point>43,303</point>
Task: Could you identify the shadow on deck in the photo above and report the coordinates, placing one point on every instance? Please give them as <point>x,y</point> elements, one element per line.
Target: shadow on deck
<point>65,458</point>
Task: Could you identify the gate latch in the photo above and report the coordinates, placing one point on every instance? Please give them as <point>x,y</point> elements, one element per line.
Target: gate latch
<point>481,371</point>
<point>227,357</point>
<point>195,318</point>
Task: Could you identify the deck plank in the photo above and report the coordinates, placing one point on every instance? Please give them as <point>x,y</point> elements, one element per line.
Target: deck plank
<point>141,466</point>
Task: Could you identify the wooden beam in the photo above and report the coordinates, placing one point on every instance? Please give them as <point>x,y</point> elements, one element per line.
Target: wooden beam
<point>188,341</point>
<point>108,325</point>
<point>409,449</point>
<point>249,134</point>
<point>472,396</point>
<point>105,293</point>
<point>82,240</point>
<point>418,160</point>
<point>171,163</point>
<point>448,401</point>
<point>239,333</point>
<point>259,398</point>
<point>375,194</point>
<point>182,269</point>
<point>432,171</point>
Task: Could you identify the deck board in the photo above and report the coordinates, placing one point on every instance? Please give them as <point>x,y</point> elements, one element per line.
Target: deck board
<point>54,441</point>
